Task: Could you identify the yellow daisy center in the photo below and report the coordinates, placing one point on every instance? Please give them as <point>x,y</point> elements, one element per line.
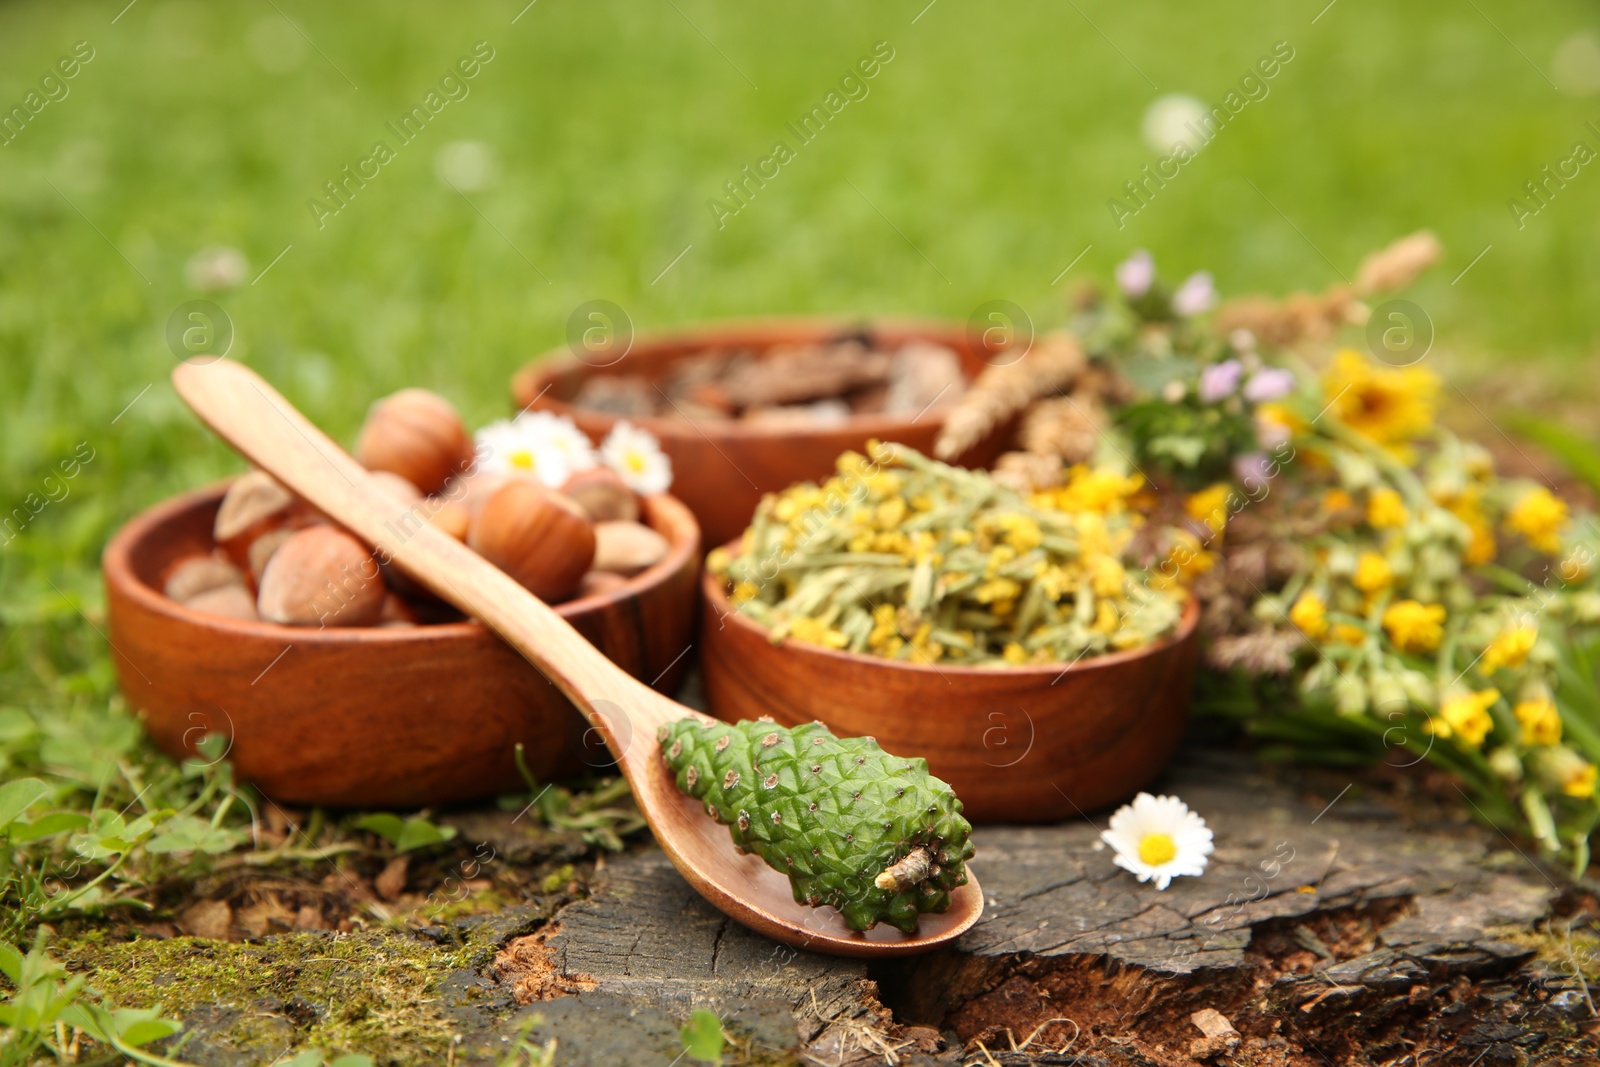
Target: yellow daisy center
<point>634,461</point>
<point>1156,849</point>
<point>521,458</point>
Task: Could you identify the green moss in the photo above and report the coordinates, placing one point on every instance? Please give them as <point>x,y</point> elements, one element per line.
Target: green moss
<point>373,992</point>
<point>1550,941</point>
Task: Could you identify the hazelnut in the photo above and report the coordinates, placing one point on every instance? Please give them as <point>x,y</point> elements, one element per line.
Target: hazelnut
<point>417,435</point>
<point>397,487</point>
<point>477,487</point>
<point>536,535</point>
<point>626,547</point>
<point>599,583</point>
<point>451,517</point>
<point>254,508</point>
<point>261,550</point>
<point>254,499</point>
<point>603,495</point>
<point>227,601</point>
<point>190,577</point>
<point>321,576</point>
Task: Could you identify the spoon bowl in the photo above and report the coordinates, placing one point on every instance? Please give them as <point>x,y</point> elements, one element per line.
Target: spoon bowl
<point>266,429</point>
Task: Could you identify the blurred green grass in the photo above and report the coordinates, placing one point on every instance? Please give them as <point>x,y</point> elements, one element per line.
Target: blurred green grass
<point>978,167</point>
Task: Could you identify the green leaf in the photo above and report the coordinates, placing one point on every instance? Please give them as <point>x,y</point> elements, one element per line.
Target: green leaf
<point>17,796</point>
<point>188,833</point>
<point>702,1037</point>
<point>383,824</point>
<point>1578,453</point>
<point>140,1026</point>
<point>56,822</point>
<point>352,1059</point>
<point>16,725</point>
<point>1183,449</point>
<point>405,835</point>
<point>11,963</point>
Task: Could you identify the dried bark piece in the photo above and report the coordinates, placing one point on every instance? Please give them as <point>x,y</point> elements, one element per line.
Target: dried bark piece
<point>1220,1036</point>
<point>923,376</point>
<point>391,881</point>
<point>1003,390</point>
<point>788,374</point>
<point>211,919</point>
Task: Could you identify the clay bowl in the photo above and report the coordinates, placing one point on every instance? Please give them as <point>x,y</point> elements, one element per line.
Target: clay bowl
<point>721,468</point>
<point>373,717</point>
<point>1018,744</point>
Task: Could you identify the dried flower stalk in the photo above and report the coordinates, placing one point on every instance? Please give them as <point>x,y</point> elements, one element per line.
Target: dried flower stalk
<point>1001,391</point>
<point>1315,317</point>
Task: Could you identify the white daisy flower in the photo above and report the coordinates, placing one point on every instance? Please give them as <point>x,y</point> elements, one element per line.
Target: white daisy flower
<point>550,447</point>
<point>636,456</point>
<point>1158,839</point>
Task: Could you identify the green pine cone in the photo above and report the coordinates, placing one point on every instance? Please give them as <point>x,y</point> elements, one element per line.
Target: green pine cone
<point>874,835</point>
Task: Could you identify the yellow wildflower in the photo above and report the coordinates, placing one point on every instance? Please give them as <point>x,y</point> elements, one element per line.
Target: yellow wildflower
<point>817,632</point>
<point>1581,782</point>
<point>1414,627</point>
<point>1345,634</point>
<point>1021,532</point>
<point>1466,717</point>
<point>1385,509</point>
<point>743,592</point>
<point>1373,573</point>
<point>1388,405</point>
<point>1337,500</point>
<point>1103,491</point>
<point>996,589</point>
<point>1014,653</point>
<point>1055,581</point>
<point>1539,516</point>
<point>1310,615</point>
<point>1106,576</point>
<point>1106,619</point>
<point>1280,417</point>
<point>1482,548</point>
<point>1210,506</point>
<point>1510,648</point>
<point>884,628</point>
<point>891,513</point>
<point>924,648</point>
<point>1541,723</point>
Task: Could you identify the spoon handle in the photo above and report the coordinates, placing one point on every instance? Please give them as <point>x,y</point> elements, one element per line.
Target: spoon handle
<point>265,428</point>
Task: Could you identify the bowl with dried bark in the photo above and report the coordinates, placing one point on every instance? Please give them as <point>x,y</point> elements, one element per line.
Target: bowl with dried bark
<point>747,408</point>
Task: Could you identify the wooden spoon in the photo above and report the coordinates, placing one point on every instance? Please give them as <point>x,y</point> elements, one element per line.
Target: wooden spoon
<point>253,417</point>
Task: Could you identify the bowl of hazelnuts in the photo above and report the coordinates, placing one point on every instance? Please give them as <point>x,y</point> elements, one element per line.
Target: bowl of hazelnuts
<point>240,610</point>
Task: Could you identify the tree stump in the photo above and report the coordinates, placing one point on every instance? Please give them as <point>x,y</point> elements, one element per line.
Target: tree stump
<point>1322,934</point>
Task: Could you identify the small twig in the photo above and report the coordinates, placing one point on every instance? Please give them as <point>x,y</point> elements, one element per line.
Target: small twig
<point>1062,1051</point>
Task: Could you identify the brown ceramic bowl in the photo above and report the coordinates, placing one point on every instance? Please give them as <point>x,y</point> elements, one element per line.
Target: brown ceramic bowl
<point>1018,744</point>
<point>374,717</point>
<point>721,469</point>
